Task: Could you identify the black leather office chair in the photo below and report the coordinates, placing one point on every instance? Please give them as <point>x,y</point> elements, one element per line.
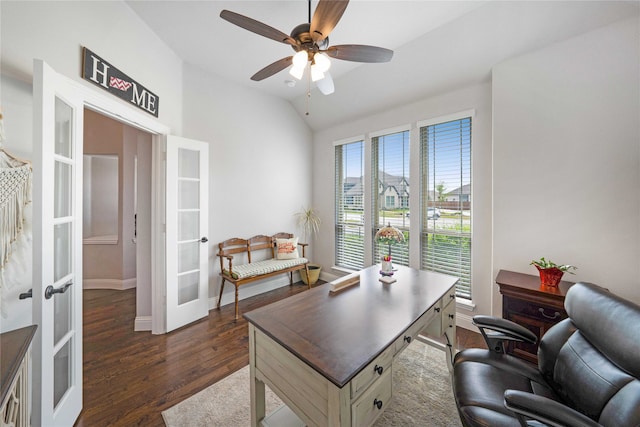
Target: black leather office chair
<point>587,375</point>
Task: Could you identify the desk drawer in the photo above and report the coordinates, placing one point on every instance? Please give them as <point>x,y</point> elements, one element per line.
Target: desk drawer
<point>372,372</point>
<point>413,331</point>
<point>373,402</point>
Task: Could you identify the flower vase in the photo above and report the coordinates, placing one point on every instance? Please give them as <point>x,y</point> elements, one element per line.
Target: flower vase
<point>387,266</point>
<point>550,276</point>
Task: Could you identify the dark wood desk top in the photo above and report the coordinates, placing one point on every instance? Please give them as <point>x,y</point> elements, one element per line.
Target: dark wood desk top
<point>13,346</point>
<point>530,284</point>
<point>339,334</point>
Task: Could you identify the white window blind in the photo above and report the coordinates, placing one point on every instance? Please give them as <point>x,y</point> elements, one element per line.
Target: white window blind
<point>445,200</point>
<point>349,193</point>
<point>390,173</point>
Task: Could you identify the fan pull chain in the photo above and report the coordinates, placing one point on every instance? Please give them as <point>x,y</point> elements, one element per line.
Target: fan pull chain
<point>308,92</point>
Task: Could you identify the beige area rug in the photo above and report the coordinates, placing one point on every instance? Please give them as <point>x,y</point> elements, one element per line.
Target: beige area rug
<point>421,384</point>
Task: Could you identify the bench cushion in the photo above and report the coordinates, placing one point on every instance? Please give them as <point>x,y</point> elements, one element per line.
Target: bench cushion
<point>264,267</point>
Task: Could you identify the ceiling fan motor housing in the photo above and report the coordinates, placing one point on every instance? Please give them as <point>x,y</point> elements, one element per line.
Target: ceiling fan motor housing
<point>302,35</point>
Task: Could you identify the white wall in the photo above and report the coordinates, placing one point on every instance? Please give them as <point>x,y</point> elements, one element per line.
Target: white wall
<point>55,32</point>
<point>260,163</point>
<point>476,97</point>
<point>566,149</point>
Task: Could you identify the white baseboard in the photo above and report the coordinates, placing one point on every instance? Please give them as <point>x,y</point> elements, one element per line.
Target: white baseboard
<point>142,323</point>
<point>465,321</point>
<point>116,284</point>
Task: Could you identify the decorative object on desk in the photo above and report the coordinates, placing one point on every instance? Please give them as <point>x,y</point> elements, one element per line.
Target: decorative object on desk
<point>550,272</point>
<point>387,266</point>
<point>387,279</point>
<point>388,236</point>
<point>344,283</point>
<point>309,221</point>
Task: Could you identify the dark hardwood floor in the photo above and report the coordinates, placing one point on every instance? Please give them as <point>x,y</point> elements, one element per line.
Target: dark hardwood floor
<point>130,377</point>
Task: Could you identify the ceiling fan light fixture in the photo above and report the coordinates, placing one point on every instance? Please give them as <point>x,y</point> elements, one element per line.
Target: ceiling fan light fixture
<point>322,61</point>
<point>316,73</point>
<point>300,59</point>
<point>297,72</point>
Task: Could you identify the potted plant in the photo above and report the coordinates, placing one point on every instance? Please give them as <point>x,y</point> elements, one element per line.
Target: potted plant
<point>550,272</point>
<point>308,221</point>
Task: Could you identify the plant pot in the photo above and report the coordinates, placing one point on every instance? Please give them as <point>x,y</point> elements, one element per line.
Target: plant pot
<point>314,274</point>
<point>550,276</point>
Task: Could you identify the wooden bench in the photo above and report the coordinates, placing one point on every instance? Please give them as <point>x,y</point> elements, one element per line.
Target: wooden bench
<point>239,274</point>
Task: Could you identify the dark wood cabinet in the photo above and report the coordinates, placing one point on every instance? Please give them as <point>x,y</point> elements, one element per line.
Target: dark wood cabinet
<point>528,303</point>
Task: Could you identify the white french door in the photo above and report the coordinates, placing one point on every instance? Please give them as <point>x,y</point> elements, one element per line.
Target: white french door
<point>57,249</point>
<point>187,253</point>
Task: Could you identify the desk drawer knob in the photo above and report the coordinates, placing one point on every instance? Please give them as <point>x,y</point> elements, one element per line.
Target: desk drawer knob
<point>437,309</point>
<point>451,316</point>
<point>377,403</point>
<point>407,339</point>
<point>378,369</point>
<point>452,296</point>
<point>555,315</point>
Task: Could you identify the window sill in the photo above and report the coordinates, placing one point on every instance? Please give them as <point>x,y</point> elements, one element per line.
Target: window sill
<point>465,304</point>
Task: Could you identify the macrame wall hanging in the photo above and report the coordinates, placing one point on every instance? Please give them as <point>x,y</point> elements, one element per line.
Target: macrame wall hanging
<point>15,194</point>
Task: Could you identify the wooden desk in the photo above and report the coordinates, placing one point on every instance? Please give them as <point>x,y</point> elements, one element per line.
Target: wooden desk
<point>329,357</point>
<point>528,303</point>
<point>15,387</point>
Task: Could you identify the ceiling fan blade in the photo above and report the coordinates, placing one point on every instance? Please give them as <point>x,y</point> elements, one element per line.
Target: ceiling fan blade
<point>257,27</point>
<point>271,69</point>
<point>325,18</point>
<point>360,53</point>
<point>325,86</point>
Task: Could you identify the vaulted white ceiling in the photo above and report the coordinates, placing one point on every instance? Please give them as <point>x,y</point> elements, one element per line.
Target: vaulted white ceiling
<point>439,45</point>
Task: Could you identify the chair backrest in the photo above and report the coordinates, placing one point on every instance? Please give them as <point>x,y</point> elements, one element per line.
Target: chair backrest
<point>592,359</point>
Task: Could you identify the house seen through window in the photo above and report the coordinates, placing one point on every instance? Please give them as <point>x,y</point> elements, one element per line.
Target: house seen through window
<point>390,170</point>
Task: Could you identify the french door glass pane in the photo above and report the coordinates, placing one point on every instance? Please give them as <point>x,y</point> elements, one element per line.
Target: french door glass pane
<point>188,287</point>
<point>61,315</point>
<point>188,194</point>
<point>62,190</point>
<point>62,250</point>
<point>63,120</point>
<point>188,256</point>
<point>188,225</point>
<point>61,371</point>
<point>188,163</point>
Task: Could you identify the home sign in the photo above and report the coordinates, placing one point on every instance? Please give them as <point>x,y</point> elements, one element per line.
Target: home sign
<point>108,77</point>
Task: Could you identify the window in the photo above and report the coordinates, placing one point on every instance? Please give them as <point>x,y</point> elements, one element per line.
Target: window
<point>390,180</point>
<point>445,200</point>
<point>349,205</point>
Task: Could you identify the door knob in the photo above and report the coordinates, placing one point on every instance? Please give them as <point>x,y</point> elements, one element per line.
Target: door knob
<point>25,295</point>
<point>204,240</point>
<point>50,291</point>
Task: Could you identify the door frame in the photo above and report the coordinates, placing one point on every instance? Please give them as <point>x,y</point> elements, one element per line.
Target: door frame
<point>120,111</point>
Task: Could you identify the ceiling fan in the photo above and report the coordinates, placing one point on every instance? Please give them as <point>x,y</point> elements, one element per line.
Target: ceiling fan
<point>311,43</point>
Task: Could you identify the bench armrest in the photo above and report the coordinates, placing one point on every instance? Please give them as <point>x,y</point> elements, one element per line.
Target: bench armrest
<point>229,260</point>
<point>497,330</point>
<point>544,410</point>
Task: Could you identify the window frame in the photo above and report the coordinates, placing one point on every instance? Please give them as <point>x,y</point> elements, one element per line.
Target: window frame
<point>339,193</point>
<point>465,287</point>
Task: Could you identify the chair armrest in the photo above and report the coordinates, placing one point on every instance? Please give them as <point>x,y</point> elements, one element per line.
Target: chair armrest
<point>544,410</point>
<point>496,330</point>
